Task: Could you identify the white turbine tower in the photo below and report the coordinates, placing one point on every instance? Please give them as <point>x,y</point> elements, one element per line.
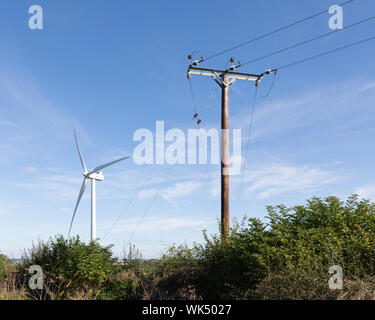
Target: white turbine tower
<point>94,175</point>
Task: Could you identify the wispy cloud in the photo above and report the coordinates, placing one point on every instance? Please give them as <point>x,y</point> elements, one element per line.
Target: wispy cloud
<point>181,189</point>
<point>57,187</point>
<point>7,123</point>
<point>8,208</point>
<point>275,116</point>
<point>164,224</point>
<point>30,169</point>
<point>176,190</point>
<point>147,193</point>
<point>274,179</point>
<point>30,100</point>
<point>366,191</point>
<point>366,87</point>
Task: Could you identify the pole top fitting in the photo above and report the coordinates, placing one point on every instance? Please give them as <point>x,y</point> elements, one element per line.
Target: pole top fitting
<point>258,81</point>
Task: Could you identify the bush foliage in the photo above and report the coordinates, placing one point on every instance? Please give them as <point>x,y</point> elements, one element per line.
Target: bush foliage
<point>288,256</point>
<point>62,260</point>
<point>3,264</point>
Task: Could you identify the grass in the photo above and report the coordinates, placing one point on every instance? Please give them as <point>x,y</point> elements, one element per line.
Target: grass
<point>286,257</point>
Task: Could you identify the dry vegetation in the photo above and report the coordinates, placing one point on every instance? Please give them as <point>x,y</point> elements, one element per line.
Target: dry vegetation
<point>286,258</point>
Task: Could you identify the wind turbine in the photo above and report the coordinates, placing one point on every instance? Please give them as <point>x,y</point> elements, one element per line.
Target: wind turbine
<point>93,175</point>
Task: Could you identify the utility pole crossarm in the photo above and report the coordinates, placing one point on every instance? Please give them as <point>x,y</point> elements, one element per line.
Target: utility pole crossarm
<point>218,74</point>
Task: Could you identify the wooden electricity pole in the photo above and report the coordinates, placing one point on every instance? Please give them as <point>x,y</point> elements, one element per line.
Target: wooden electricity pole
<point>224,78</point>
<point>224,157</point>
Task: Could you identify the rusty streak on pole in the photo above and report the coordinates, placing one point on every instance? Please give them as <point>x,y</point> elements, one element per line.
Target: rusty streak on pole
<point>225,158</point>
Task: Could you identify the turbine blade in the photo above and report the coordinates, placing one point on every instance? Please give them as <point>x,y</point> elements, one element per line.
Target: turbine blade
<point>83,187</point>
<point>79,152</point>
<point>106,165</point>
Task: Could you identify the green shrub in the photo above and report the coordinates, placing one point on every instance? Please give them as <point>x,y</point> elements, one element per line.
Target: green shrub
<point>219,269</point>
<point>229,268</point>
<point>288,257</point>
<point>62,260</point>
<point>124,286</point>
<point>304,241</point>
<point>3,265</point>
<point>176,258</point>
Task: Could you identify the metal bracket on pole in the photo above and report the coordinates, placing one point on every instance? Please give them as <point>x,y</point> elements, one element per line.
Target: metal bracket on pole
<point>217,79</point>
<point>217,75</point>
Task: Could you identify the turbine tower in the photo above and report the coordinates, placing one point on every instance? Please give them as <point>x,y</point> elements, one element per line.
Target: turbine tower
<point>94,175</point>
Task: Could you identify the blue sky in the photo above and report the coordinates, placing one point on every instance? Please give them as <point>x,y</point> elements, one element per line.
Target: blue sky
<point>109,68</point>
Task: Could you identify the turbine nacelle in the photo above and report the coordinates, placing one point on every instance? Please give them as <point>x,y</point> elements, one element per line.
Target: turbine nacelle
<point>96,176</point>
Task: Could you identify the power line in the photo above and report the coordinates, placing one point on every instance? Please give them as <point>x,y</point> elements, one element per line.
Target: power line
<point>271,87</point>
<point>147,208</point>
<point>249,133</point>
<point>303,42</point>
<point>269,33</point>
<point>151,202</point>
<point>212,190</point>
<point>192,96</point>
<point>130,202</point>
<point>324,53</point>
<point>247,143</point>
<point>161,185</point>
<point>142,186</point>
<point>197,126</point>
